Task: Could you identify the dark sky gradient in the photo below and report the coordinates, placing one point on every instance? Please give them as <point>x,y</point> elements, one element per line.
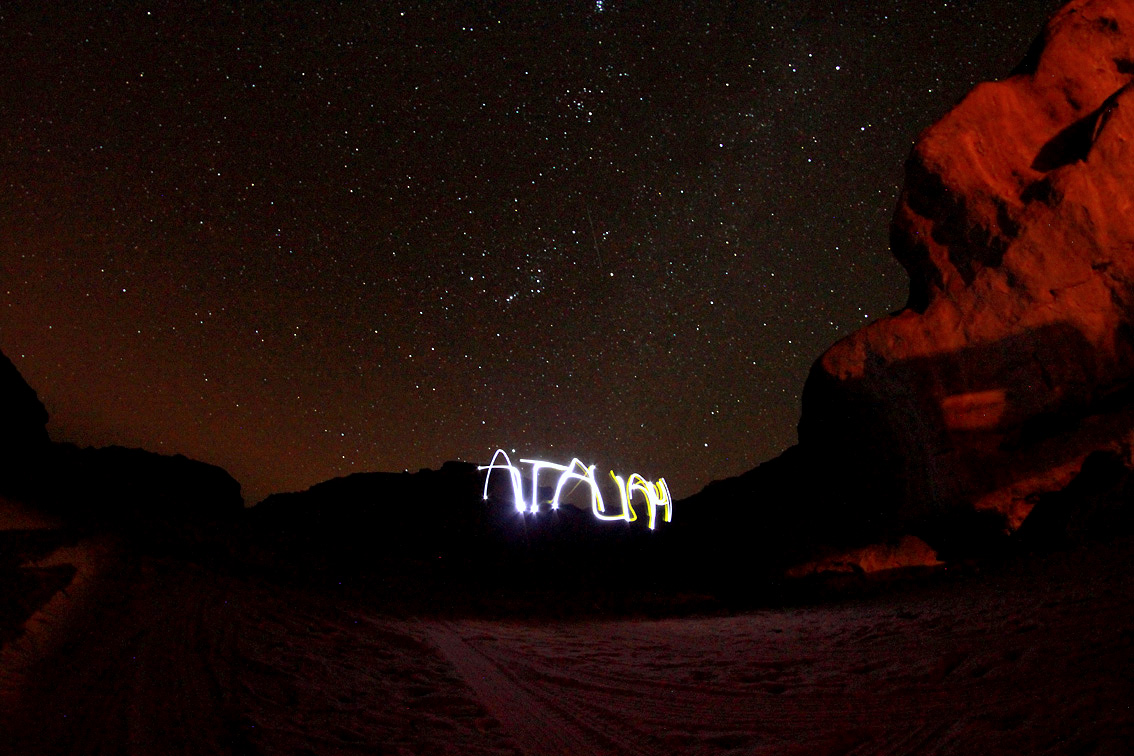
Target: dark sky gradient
<point>301,240</point>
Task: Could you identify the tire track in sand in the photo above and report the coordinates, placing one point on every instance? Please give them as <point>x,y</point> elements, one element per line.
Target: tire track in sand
<point>536,724</point>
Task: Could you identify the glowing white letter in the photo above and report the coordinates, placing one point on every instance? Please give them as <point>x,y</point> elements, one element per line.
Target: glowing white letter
<point>586,476</point>
<point>538,465</point>
<point>657,494</point>
<point>517,483</point>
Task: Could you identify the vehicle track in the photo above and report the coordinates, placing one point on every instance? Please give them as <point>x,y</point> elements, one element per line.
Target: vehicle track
<point>540,724</point>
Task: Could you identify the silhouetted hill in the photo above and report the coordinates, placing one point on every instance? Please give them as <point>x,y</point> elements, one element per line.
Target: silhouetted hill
<point>133,489</point>
<point>435,524</point>
<point>129,485</point>
<point>23,432</point>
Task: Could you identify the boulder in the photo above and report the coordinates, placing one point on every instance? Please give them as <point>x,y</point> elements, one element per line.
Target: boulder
<point>1097,505</point>
<point>907,552</point>
<point>1013,358</point>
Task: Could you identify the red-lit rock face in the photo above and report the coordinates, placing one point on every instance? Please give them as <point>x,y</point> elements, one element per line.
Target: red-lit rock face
<point>1016,225</point>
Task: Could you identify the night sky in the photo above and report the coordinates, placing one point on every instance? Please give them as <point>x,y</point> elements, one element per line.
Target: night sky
<point>301,240</point>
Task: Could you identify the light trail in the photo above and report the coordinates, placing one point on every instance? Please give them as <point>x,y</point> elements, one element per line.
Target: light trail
<point>656,494</point>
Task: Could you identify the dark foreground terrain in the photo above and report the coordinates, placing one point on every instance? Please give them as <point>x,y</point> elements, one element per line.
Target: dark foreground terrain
<point>148,655</point>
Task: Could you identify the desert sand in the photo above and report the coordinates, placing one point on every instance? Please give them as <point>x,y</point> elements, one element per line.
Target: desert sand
<point>155,655</point>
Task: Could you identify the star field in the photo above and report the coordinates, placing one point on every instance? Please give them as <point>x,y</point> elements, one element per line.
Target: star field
<point>300,241</point>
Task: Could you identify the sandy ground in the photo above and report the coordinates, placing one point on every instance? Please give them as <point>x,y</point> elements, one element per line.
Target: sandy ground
<point>1036,657</point>
<point>66,569</point>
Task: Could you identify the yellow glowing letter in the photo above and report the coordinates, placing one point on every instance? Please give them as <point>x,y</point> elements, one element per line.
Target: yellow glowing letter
<point>586,476</point>
<point>657,495</point>
<point>628,512</point>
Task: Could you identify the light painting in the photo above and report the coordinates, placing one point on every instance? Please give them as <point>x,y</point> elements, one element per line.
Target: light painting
<point>656,494</point>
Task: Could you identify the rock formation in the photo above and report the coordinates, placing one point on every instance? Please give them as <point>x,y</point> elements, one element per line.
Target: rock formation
<point>908,552</point>
<point>434,522</point>
<point>1014,356</point>
<point>23,433</point>
<point>25,418</point>
<point>1095,506</point>
<point>111,484</point>
<point>136,487</point>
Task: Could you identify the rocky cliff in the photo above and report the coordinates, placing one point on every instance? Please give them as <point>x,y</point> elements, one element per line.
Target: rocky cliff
<point>25,418</point>
<point>1014,356</point>
<point>110,484</point>
<point>23,431</point>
